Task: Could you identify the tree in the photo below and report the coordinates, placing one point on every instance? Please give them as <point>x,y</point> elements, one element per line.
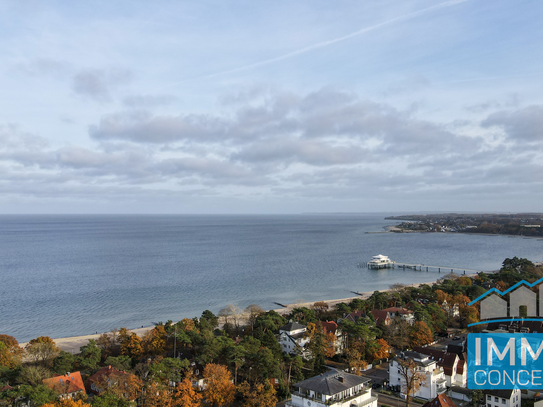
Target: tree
<point>381,350</point>
<point>356,361</point>
<point>420,334</point>
<point>253,311</point>
<point>63,363</point>
<point>132,346</point>
<point>412,378</point>
<point>320,308</point>
<point>156,395</point>
<point>154,341</point>
<point>399,331</point>
<point>33,375</point>
<point>10,352</point>
<point>258,395</point>
<point>186,396</point>
<point>42,350</point>
<point>90,356</point>
<point>123,363</point>
<point>209,319</point>
<point>68,403</point>
<point>110,400</point>
<point>236,356</point>
<point>219,390</point>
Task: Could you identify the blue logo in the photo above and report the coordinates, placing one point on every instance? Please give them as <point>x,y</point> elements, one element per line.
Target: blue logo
<point>493,308</point>
<point>505,361</point>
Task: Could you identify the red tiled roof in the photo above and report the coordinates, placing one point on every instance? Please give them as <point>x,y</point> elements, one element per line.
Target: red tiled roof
<point>68,383</point>
<point>380,316</point>
<point>329,326</point>
<point>440,401</point>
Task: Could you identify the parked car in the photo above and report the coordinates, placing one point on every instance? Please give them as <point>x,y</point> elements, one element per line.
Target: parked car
<point>456,338</point>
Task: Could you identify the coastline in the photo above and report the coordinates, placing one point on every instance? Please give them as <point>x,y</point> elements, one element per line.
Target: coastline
<point>73,343</point>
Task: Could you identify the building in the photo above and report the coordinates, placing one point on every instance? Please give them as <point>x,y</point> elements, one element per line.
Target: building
<point>502,398</point>
<point>453,364</point>
<point>108,376</point>
<point>381,317</point>
<point>330,327</point>
<point>67,386</point>
<point>292,338</point>
<point>403,313</point>
<point>441,400</point>
<point>434,382</point>
<point>333,388</point>
<point>354,316</point>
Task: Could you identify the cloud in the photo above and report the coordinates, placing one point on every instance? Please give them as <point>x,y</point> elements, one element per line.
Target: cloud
<point>96,84</point>
<point>327,144</point>
<point>147,101</point>
<point>524,124</point>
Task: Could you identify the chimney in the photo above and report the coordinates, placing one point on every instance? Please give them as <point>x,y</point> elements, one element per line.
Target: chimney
<point>341,379</point>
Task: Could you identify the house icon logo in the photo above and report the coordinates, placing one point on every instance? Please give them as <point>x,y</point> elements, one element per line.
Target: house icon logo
<point>493,308</point>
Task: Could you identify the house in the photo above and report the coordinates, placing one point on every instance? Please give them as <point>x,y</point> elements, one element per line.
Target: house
<point>502,398</point>
<point>434,382</point>
<point>67,386</point>
<point>452,311</point>
<point>354,316</point>
<point>110,377</point>
<point>292,338</point>
<point>403,313</point>
<point>330,327</point>
<point>333,388</point>
<point>381,317</point>
<point>453,364</point>
<point>441,400</point>
<point>522,296</point>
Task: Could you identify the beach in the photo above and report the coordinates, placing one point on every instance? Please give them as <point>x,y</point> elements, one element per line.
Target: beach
<point>74,343</point>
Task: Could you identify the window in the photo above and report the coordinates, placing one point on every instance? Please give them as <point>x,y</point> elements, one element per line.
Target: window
<point>489,405</point>
<point>503,401</point>
<point>496,399</point>
<point>489,398</point>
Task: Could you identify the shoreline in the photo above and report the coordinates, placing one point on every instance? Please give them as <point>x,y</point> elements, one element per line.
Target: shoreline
<point>73,343</point>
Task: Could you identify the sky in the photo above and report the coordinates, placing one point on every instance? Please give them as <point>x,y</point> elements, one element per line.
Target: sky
<point>248,107</point>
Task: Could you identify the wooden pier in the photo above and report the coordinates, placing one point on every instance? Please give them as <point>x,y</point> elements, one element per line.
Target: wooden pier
<point>426,267</point>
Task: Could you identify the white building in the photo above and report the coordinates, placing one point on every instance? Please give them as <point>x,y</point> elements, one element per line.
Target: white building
<point>292,338</point>
<point>502,398</point>
<point>434,382</point>
<point>333,388</point>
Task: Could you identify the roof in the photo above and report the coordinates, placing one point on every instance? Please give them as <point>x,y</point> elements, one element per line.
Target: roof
<point>379,315</point>
<point>505,394</point>
<point>292,326</point>
<point>417,357</point>
<point>445,359</point>
<point>398,310</point>
<point>331,383</point>
<point>329,327</point>
<point>440,401</point>
<point>460,367</point>
<point>68,383</point>
<point>356,315</point>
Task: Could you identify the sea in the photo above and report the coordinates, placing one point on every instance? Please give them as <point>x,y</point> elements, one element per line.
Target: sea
<point>69,275</point>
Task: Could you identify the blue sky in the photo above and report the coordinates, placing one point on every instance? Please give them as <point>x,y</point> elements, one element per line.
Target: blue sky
<point>271,107</point>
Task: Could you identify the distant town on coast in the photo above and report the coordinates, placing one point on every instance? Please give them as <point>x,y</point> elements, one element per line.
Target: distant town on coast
<point>514,224</point>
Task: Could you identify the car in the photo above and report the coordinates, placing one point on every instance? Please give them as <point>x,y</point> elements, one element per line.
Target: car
<point>456,338</point>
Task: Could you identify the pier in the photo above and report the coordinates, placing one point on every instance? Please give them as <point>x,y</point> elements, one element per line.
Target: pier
<point>423,267</point>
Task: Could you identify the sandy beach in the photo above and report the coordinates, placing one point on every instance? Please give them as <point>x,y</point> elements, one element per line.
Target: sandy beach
<point>72,344</point>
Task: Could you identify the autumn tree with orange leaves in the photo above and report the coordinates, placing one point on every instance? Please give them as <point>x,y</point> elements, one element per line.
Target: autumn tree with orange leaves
<point>420,334</point>
<point>258,395</point>
<point>186,396</point>
<point>156,395</point>
<point>381,350</point>
<point>219,390</point>
<point>67,403</point>
<point>10,352</point>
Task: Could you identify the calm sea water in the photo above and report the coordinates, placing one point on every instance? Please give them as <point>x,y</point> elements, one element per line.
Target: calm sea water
<point>75,275</point>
